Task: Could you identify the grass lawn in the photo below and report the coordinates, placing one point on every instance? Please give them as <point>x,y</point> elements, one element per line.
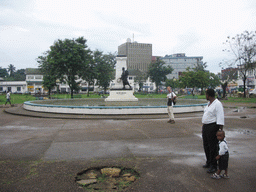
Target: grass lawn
<point>150,95</point>
<point>19,99</point>
<point>239,100</point>
<point>229,100</point>
<point>16,98</point>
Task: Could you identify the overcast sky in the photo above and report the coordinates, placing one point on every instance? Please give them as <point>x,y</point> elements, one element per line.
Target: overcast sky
<point>195,27</point>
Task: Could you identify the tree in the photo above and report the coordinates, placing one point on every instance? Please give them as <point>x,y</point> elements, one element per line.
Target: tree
<point>227,75</point>
<point>193,77</point>
<point>68,59</point>
<point>11,69</point>
<point>173,83</point>
<point>20,75</point>
<point>3,72</point>
<point>199,66</point>
<point>200,79</point>
<point>91,73</point>
<point>105,68</point>
<point>49,79</point>
<point>243,49</point>
<point>49,82</point>
<point>214,81</point>
<point>140,78</point>
<point>188,79</point>
<point>157,72</point>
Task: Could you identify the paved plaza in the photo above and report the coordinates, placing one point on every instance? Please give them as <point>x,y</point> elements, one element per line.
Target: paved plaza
<point>44,152</point>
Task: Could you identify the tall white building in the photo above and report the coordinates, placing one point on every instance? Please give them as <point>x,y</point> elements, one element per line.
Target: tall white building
<point>180,62</point>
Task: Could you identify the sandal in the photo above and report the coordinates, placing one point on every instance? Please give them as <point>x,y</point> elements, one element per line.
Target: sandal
<point>216,176</point>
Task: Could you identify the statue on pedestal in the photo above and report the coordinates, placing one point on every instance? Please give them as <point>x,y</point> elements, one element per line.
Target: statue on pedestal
<point>118,93</point>
<point>124,78</point>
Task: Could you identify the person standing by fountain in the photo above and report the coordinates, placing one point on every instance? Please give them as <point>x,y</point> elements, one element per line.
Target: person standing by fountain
<point>170,96</point>
<point>213,120</point>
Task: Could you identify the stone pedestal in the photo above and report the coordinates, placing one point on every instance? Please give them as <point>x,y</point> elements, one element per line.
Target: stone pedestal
<point>117,93</point>
<point>121,95</point>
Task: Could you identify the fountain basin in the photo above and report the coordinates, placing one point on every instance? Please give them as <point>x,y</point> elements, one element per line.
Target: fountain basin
<point>99,107</point>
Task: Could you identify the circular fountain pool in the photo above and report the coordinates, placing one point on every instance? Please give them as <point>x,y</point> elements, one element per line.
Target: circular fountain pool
<point>100,107</point>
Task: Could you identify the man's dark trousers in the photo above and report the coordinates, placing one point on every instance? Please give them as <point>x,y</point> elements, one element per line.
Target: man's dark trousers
<point>210,143</point>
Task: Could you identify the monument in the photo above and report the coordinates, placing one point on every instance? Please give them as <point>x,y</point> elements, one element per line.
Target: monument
<point>122,90</point>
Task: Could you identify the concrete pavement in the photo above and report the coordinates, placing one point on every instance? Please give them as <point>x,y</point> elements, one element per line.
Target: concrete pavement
<point>45,154</point>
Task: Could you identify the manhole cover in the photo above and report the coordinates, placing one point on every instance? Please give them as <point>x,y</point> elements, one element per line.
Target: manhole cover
<point>107,178</point>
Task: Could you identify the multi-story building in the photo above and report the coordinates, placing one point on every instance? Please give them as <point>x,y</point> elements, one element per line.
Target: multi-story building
<point>251,77</point>
<point>180,62</point>
<point>34,79</point>
<point>139,55</point>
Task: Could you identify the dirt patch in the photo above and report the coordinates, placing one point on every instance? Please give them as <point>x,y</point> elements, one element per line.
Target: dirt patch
<point>107,178</point>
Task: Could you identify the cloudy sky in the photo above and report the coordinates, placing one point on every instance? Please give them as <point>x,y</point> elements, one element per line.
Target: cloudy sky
<point>195,27</point>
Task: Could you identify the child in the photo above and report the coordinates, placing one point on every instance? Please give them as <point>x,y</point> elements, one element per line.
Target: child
<point>223,157</point>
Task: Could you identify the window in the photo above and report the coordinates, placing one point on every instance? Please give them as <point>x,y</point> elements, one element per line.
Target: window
<point>1,88</point>
<point>38,77</point>
<point>30,77</point>
<point>18,88</point>
<point>130,78</point>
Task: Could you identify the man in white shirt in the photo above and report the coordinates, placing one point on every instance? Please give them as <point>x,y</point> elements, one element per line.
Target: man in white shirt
<point>170,96</point>
<point>8,97</point>
<point>213,120</point>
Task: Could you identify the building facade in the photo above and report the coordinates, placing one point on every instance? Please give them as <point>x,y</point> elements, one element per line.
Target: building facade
<point>250,82</point>
<point>34,80</point>
<point>180,62</point>
<point>139,55</point>
<point>13,86</point>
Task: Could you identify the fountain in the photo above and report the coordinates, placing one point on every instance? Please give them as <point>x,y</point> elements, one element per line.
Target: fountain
<point>101,107</point>
<point>121,101</point>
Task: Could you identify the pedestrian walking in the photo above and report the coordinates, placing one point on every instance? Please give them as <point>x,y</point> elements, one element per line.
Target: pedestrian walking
<point>8,97</point>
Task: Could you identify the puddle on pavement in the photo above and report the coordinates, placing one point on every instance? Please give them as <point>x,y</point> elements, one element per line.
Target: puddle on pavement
<point>25,128</point>
<point>240,109</point>
<point>18,127</point>
<point>240,132</point>
<point>236,133</point>
<point>191,161</point>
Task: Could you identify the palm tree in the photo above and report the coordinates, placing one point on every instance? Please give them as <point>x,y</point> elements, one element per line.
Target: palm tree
<point>11,69</point>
